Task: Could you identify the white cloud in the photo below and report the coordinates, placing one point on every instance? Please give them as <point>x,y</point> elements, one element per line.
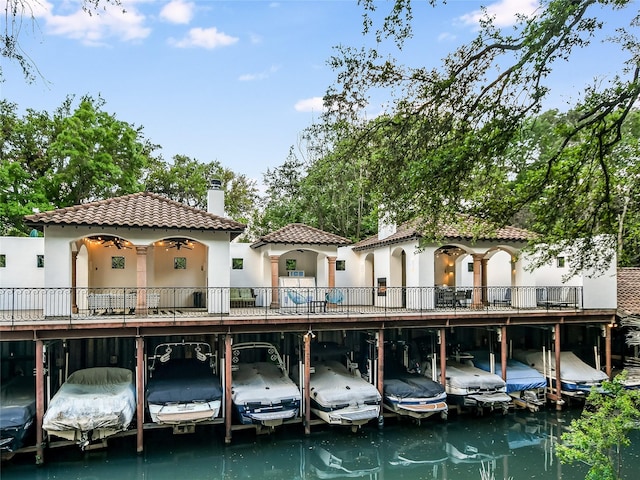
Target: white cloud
<point>248,77</point>
<point>446,37</point>
<point>177,11</point>
<point>209,38</point>
<point>313,104</point>
<point>109,21</point>
<point>504,12</point>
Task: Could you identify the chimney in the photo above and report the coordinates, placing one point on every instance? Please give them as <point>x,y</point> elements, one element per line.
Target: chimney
<point>215,198</point>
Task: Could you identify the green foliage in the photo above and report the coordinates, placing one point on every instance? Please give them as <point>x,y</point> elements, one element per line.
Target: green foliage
<point>462,138</point>
<point>186,180</point>
<point>602,431</point>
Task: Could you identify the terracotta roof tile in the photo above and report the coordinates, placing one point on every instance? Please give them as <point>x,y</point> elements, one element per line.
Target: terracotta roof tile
<point>629,290</point>
<point>136,210</point>
<point>301,234</point>
<point>463,231</point>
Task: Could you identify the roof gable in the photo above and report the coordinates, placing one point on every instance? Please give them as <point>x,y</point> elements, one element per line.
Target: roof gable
<point>142,209</point>
<point>301,234</point>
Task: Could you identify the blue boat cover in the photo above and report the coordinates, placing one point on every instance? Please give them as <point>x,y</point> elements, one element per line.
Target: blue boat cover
<point>17,402</point>
<point>183,380</point>
<point>520,377</point>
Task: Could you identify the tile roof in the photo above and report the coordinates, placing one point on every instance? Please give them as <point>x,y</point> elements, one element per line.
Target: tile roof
<point>629,290</point>
<point>142,209</point>
<point>301,234</point>
<point>463,231</point>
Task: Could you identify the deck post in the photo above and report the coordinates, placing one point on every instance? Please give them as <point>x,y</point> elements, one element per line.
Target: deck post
<point>307,383</point>
<point>443,357</point>
<point>140,394</point>
<point>39,360</point>
<point>558,383</point>
<point>227,388</point>
<point>380,375</point>
<point>503,351</point>
<point>607,347</point>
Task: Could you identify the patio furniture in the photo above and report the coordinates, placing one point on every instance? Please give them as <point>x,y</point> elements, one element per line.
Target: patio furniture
<point>242,297</point>
<point>334,295</point>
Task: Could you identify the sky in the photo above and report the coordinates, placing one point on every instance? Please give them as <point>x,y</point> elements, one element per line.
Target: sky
<point>230,81</point>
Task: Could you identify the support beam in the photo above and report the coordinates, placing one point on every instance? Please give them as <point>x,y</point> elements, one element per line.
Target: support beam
<point>39,360</point>
<point>227,388</point>
<point>607,347</point>
<point>140,374</point>
<point>307,383</point>
<point>380,367</point>
<point>503,351</point>
<point>558,383</point>
<point>443,357</point>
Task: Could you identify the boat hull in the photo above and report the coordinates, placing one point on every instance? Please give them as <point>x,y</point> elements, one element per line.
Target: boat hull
<point>188,412</point>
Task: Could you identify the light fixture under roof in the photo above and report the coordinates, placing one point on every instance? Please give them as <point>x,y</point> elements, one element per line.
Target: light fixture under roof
<point>179,243</point>
<point>112,241</point>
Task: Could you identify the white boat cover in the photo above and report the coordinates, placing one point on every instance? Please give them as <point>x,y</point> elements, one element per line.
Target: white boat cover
<point>572,369</point>
<point>520,377</point>
<point>261,383</point>
<point>332,385</point>
<point>92,399</point>
<point>461,376</point>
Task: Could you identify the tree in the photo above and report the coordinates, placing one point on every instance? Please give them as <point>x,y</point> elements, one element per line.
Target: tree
<point>598,436</point>
<point>440,148</point>
<point>69,157</point>
<point>186,180</point>
<point>19,12</point>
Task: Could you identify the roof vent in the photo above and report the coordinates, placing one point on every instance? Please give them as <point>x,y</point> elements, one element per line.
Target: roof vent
<point>216,184</point>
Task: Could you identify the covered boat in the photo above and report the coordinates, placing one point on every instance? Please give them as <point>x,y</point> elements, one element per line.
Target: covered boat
<point>406,391</point>
<point>576,377</point>
<point>524,383</point>
<point>261,391</point>
<point>17,412</point>
<point>470,387</point>
<point>183,388</point>
<point>338,393</point>
<point>92,404</point>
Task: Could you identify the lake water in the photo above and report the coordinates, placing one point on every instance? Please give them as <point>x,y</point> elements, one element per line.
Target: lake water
<point>519,445</point>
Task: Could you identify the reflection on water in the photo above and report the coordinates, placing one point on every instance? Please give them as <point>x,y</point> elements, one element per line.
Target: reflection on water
<point>518,445</point>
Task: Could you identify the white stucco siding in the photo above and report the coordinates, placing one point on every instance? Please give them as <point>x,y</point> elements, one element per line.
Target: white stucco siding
<point>21,255</point>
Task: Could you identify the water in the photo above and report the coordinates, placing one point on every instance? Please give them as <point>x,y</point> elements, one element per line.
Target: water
<point>518,446</point>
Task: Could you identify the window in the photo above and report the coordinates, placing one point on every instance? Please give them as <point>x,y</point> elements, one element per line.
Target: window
<point>290,263</point>
<point>340,265</point>
<point>560,261</point>
<point>117,263</point>
<point>470,267</point>
<point>237,263</point>
<point>180,263</point>
<point>3,260</point>
<point>40,261</point>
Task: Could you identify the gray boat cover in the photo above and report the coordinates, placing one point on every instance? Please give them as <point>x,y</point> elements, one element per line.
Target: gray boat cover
<point>572,369</point>
<point>412,386</point>
<point>93,398</point>
<point>183,381</point>
<point>261,383</point>
<point>520,377</point>
<point>332,385</point>
<point>17,402</point>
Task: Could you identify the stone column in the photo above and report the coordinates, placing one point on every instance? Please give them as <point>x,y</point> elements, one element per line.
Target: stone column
<point>483,263</point>
<point>74,281</point>
<point>332,271</point>
<point>275,301</point>
<point>141,281</point>
<point>476,302</point>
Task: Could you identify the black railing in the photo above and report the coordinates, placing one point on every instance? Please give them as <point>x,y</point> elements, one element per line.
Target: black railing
<point>129,304</point>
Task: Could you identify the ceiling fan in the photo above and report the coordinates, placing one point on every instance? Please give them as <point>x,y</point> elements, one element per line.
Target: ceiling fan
<point>111,241</point>
<point>179,243</point>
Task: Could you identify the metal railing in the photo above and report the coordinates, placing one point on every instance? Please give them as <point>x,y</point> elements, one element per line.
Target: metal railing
<point>133,304</point>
